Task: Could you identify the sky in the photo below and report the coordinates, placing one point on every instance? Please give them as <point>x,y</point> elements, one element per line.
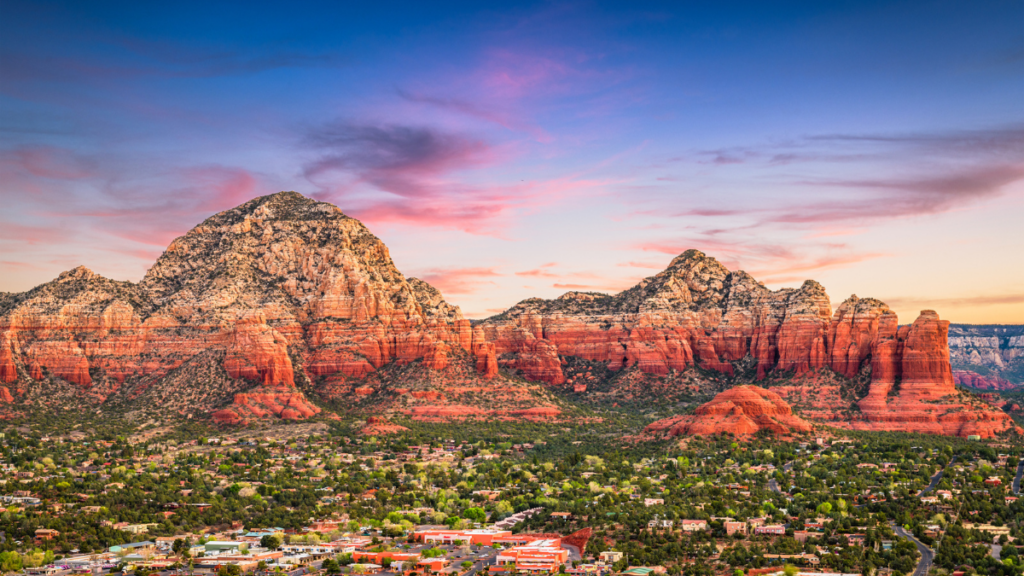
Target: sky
<point>510,150</point>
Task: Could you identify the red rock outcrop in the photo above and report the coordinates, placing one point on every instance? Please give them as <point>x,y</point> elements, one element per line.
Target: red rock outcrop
<point>974,380</point>
<point>380,427</point>
<point>285,290</point>
<point>279,278</point>
<point>927,400</point>
<point>741,411</point>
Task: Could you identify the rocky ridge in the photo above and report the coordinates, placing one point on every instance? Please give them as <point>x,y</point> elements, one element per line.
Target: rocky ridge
<point>258,306</point>
<point>697,313</point>
<point>283,289</point>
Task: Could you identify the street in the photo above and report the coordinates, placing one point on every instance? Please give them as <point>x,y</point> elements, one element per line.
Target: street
<point>927,555</point>
<point>936,479</point>
<point>773,485</point>
<point>1016,479</point>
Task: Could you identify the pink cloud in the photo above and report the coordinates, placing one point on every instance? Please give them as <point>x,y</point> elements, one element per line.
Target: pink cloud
<point>649,265</point>
<point>957,302</point>
<point>459,280</point>
<point>49,162</point>
<point>538,272</point>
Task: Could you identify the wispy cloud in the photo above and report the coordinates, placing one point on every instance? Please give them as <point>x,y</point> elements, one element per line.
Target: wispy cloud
<point>459,280</point>
<point>957,302</point>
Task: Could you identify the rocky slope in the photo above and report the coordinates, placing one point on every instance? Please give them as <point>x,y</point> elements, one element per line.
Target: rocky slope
<point>698,313</point>
<point>261,307</point>
<point>741,411</point>
<point>283,291</point>
<point>987,357</point>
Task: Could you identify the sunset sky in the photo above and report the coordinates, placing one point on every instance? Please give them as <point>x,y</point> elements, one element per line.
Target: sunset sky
<point>504,151</point>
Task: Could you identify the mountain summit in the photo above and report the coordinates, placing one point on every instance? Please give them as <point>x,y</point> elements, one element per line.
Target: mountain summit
<point>259,307</point>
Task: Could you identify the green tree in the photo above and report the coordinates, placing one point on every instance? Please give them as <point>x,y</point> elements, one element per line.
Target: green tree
<point>270,541</point>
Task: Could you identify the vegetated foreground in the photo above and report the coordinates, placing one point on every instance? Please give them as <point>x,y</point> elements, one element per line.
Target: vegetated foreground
<point>508,499</point>
<point>285,308</point>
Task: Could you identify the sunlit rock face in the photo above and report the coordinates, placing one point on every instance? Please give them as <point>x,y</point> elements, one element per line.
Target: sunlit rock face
<point>284,290</point>
<point>741,411</point>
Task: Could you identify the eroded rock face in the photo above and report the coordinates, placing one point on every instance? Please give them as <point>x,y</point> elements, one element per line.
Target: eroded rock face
<point>741,411</point>
<point>696,312</point>
<point>284,290</point>
<point>279,278</point>
<point>927,400</point>
<point>977,381</point>
<point>994,352</point>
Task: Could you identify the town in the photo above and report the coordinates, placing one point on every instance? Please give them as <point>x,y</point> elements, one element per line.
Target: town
<point>864,504</point>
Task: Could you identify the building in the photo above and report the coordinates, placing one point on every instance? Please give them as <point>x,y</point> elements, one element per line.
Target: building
<point>775,529</point>
<point>732,527</point>
<point>694,525</point>
<point>482,536</point>
<point>46,534</point>
<point>611,556</point>
<point>538,557</point>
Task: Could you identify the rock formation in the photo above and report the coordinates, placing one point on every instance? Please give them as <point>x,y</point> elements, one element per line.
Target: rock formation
<point>994,353</point>
<point>974,380</point>
<point>697,313</point>
<point>278,280</point>
<point>285,293</point>
<point>741,411</point>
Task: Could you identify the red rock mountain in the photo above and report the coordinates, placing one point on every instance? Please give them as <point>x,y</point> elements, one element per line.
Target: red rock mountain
<point>741,411</point>
<point>284,294</point>
<point>246,297</point>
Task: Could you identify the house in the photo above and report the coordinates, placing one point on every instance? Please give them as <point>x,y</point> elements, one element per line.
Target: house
<point>775,529</point>
<point>653,501</point>
<point>993,481</point>
<point>732,527</point>
<point>662,524</point>
<point>137,528</point>
<point>611,556</point>
<point>43,534</point>
<point>856,539</point>
<point>694,525</point>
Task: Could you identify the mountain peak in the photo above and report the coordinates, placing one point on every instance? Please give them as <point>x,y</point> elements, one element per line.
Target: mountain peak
<point>77,273</point>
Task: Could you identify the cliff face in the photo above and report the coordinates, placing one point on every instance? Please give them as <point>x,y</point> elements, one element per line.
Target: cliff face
<point>987,357</point>
<point>279,280</point>
<point>741,411</point>
<point>284,294</point>
<point>698,313</point>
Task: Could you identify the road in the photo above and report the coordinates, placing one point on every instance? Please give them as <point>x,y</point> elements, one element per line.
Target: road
<point>574,553</point>
<point>1016,479</point>
<point>773,485</point>
<point>927,555</point>
<point>937,478</point>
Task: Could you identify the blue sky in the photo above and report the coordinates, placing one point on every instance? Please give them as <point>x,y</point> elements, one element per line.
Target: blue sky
<point>512,150</point>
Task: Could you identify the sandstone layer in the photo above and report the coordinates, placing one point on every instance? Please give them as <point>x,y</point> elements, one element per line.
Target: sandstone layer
<point>741,411</point>
<point>282,289</point>
<point>284,294</point>
<point>697,313</point>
